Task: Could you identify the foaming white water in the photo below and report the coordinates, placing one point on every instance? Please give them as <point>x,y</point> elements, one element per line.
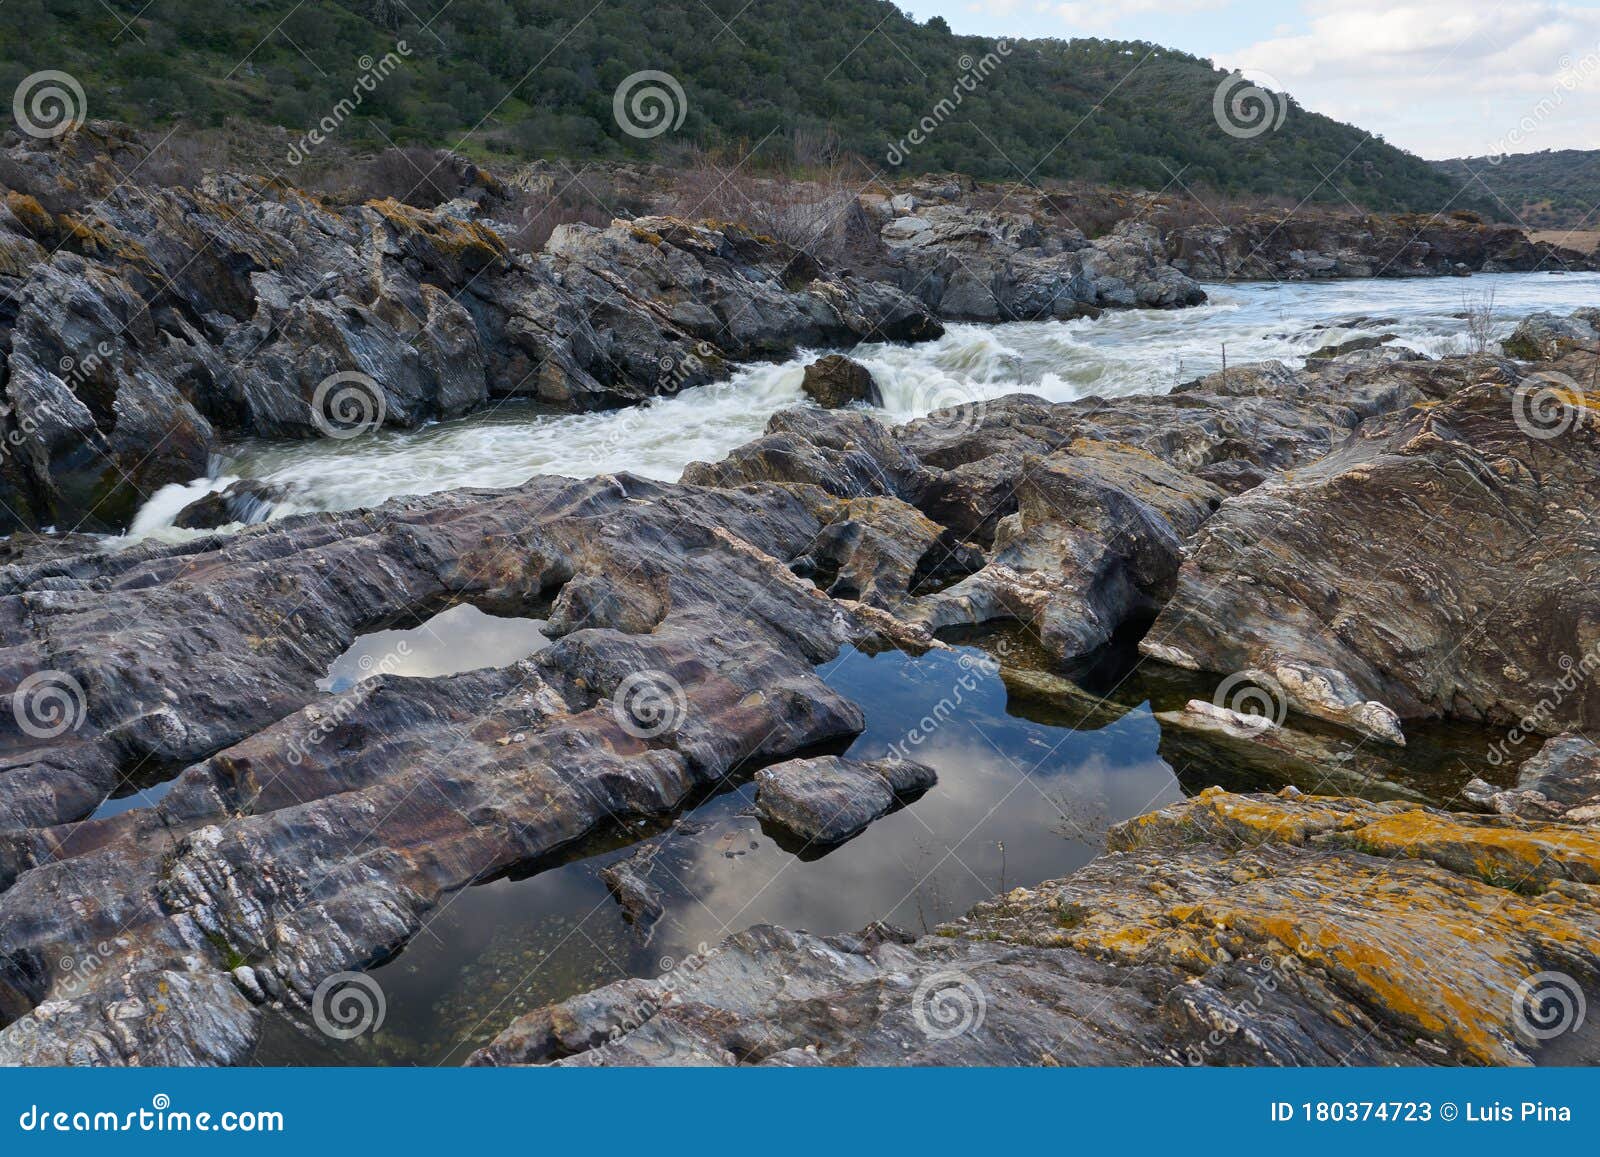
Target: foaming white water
<point>1131,352</point>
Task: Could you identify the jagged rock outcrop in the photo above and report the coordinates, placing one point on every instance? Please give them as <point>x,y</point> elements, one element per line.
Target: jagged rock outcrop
<point>1226,929</point>
<point>144,327</point>
<point>980,265</point>
<point>1440,562</point>
<point>1084,507</point>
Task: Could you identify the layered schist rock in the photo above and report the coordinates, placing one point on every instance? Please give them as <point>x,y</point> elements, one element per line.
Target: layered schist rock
<point>141,327</point>
<point>310,832</point>
<point>306,833</point>
<point>981,265</point>
<point>1227,929</point>
<point>1441,562</point>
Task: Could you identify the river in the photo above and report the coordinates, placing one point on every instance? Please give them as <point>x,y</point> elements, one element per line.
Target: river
<point>1033,766</point>
<point>1120,353</point>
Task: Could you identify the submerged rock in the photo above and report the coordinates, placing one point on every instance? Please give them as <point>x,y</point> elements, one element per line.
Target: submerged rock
<point>836,381</point>
<point>1225,929</point>
<point>246,501</point>
<point>1561,782</point>
<point>828,800</point>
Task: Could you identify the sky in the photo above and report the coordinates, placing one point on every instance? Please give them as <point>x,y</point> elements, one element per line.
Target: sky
<point>1442,78</point>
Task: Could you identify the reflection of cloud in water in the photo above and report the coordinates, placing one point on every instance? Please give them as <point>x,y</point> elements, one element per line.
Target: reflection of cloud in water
<point>928,862</point>
<point>462,638</point>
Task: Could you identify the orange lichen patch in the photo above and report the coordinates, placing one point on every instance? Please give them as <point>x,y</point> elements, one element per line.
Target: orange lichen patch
<point>18,255</point>
<point>1246,819</point>
<point>32,216</point>
<point>99,240</point>
<point>469,240</point>
<point>645,235</point>
<point>1520,856</point>
<point>1412,917</point>
<point>1417,947</point>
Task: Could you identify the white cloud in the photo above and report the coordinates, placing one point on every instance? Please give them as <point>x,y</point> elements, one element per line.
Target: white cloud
<point>1461,77</point>
<point>1105,15</point>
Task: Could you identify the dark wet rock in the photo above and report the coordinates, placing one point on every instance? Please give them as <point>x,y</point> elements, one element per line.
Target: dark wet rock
<point>1226,929</point>
<point>309,833</point>
<point>1439,563</point>
<point>629,881</point>
<point>827,800</point>
<point>1561,782</point>
<point>152,324</point>
<point>246,501</point>
<point>1350,346</point>
<point>1544,336</point>
<point>835,381</point>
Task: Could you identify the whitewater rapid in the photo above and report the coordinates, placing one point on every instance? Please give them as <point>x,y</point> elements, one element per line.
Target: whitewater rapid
<point>1120,353</point>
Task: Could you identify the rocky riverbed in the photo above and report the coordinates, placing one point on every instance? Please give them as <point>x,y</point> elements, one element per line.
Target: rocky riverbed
<point>1345,554</point>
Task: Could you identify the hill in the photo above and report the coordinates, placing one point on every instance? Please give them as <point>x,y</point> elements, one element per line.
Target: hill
<point>1555,189</point>
<point>799,80</point>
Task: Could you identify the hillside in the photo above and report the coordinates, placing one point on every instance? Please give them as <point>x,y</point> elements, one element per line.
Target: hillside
<point>860,77</point>
<point>1555,189</point>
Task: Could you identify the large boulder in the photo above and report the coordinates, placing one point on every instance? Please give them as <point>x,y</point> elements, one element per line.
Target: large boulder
<point>1545,336</point>
<point>1439,563</point>
<point>834,381</point>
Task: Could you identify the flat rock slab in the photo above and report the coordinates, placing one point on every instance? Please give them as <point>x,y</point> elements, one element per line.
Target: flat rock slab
<point>827,800</point>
